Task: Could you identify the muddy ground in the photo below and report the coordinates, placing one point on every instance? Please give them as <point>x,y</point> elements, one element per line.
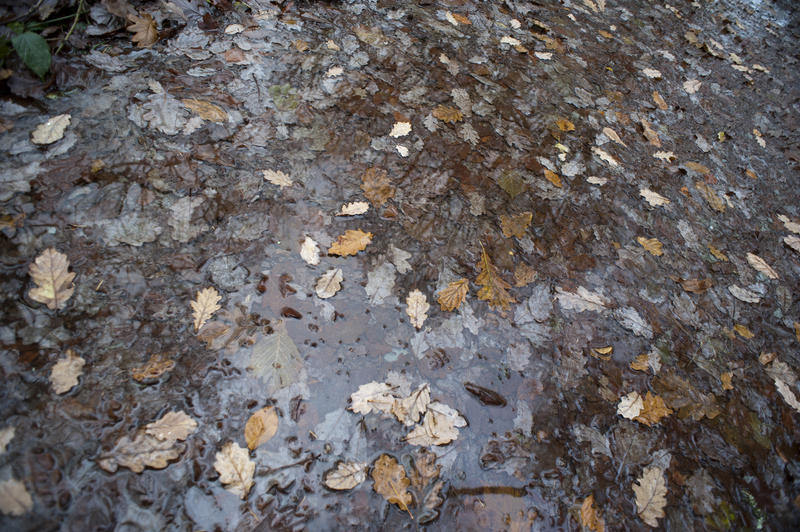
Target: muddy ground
<point>610,123</point>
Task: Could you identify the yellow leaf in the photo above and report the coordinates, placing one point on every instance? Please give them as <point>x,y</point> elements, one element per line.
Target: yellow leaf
<point>276,177</point>
<point>552,177</point>
<point>206,110</point>
<point>660,101</point>
<point>391,482</point>
<point>261,427</point>
<point>54,281</point>
<point>350,243</point>
<point>453,295</point>
<point>144,30</point>
<point>204,306</point>
<point>590,518</point>
<point>653,410</point>
<point>652,245</point>
<point>641,363</point>
<point>710,196</point>
<point>416,307</point>
<point>515,225</point>
<point>565,125</point>
<point>743,331</point>
<point>717,253</point>
<point>603,353</point>
<point>493,287</point>
<point>447,114</point>
<point>726,379</point>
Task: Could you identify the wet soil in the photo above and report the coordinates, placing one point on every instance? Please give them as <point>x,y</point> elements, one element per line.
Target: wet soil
<point>151,203</point>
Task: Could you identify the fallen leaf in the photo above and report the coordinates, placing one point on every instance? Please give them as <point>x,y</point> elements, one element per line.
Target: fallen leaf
<point>145,32</point>
<point>14,497</point>
<point>439,427</point>
<point>610,133</point>
<point>710,196</point>
<point>235,469</point>
<point>157,365</point>
<point>65,372</point>
<point>691,86</point>
<point>416,307</point>
<point>552,177</point>
<point>696,286</point>
<point>447,114</point>
<point>424,476</point>
<point>759,138</point>
<point>354,208</point>
<point>493,287</point>
<point>605,156</point>
<point>347,475</point>
<point>451,297</point>
<point>276,358</point>
<point>206,110</point>
<point>743,331</point>
<point>6,435</point>
<point>794,227</point>
<point>727,380</point>
<point>582,300</point>
<point>651,493</point>
<point>665,156</point>
<point>391,482</point>
<point>51,131</point>
<point>511,183</point>
<point>54,281</point>
<point>205,305</point>
<point>329,283</point>
<point>172,426</point>
<point>793,242</point>
<point>376,186</point>
<point>309,251</point>
<point>742,294</point>
<point>261,427</point>
<point>797,330</point>
<point>660,101</point>
<point>300,45</point>
<point>350,243</point>
<point>697,167</point>
<point>630,406</point>
<point>651,73</point>
<point>515,225</point>
<point>652,245</point>
<point>650,134</point>
<point>602,353</point>
<point>334,71</point>
<point>565,125</point>
<point>408,409</point>
<point>590,518</point>
<point>760,264</point>
<point>653,410</point>
<point>524,275</point>
<point>719,255</point>
<point>372,397</point>
<point>276,177</point>
<point>653,198</point>
<point>400,129</point>
<point>142,451</point>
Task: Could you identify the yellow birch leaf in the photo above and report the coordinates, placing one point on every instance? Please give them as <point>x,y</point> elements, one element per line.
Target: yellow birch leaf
<point>204,306</point>
<point>451,297</point>
<point>641,363</point>
<point>350,243</point>
<point>652,245</point>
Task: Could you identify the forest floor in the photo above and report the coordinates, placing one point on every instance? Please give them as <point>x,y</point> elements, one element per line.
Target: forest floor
<point>451,265</point>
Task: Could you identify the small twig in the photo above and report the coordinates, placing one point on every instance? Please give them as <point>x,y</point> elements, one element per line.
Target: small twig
<point>71,28</point>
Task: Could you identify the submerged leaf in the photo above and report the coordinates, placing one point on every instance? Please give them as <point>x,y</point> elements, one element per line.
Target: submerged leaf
<point>261,427</point>
<point>350,243</point>
<point>65,373</point>
<point>590,517</point>
<point>54,281</point>
<point>651,493</point>
<point>205,305</point>
<point>172,426</point>
<point>493,287</point>
<point>372,397</point>
<point>376,186</point>
<point>144,30</point>
<point>347,475</point>
<point>453,294</point>
<point>235,469</point>
<point>142,451</point>
<point>276,177</point>
<point>276,358</point>
<point>515,225</point>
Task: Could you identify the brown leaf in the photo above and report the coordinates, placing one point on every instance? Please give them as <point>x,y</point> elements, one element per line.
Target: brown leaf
<point>158,364</point>
<point>565,125</point>
<point>453,295</point>
<point>696,286</point>
<point>697,167</point>
<point>660,101</point>
<point>641,363</point>
<point>651,495</point>
<point>391,482</point>
<point>350,243</point>
<point>416,307</point>
<point>142,451</point>
<point>761,265</point>
<point>461,19</point>
<point>261,427</point>
<point>524,275</point>
<point>347,475</point>
<point>205,305</point>
<point>425,482</point>
<point>54,281</point>
<point>653,410</point>
<point>512,184</point>
<point>376,186</point>
<point>515,225</point>
<point>206,110</point>
<point>710,196</point>
<point>144,30</point>
<point>65,373</point>
<point>552,177</point>
<point>652,245</point>
<point>650,134</point>
<point>493,287</point>
<point>235,469</point>
<point>590,518</point>
<point>447,114</point>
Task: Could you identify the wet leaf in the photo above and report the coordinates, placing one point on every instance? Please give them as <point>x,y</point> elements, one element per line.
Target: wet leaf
<point>602,353</point>
<point>727,380</point>
<point>261,427</point>
<point>485,395</point>
<point>651,73</point>
<point>354,208</point>
<point>761,265</point>
<point>660,101</point>
<point>391,482</point>
<point>142,451</point>
<point>691,86</point>
<point>51,131</point>
<point>276,357</point>
<point>235,469</point>
<point>372,397</point>
<point>565,125</point>
<point>652,245</point>
<point>145,32</point>
<point>653,410</point>
<point>610,133</point>
<point>417,307</point>
<point>451,297</point>
<point>206,110</point>
<point>400,129</point>
<point>309,251</point>
<point>447,114</point>
<point>205,305</point>
<point>276,177</point>
<point>172,426</point>
<point>347,475</point>
<point>512,184</point>
<point>157,365</point>
<point>34,51</point>
<point>524,275</point>
<point>53,280</point>
<point>552,177</point>
<point>408,410</point>
<point>719,255</point>
<point>696,286</point>
<point>493,287</point>
<point>14,497</point>
<point>376,186</point>
<point>710,196</point>
<point>743,331</point>
<point>665,156</point>
<point>65,372</point>
<point>653,198</point>
<point>350,243</point>
<point>605,156</point>
<point>6,435</point>
<point>439,427</point>
<point>651,493</point>
<point>582,300</point>
<point>650,134</point>
<point>794,227</point>
<point>647,361</point>
<point>793,242</point>
<point>630,406</point>
<point>590,517</point>
<point>329,283</point>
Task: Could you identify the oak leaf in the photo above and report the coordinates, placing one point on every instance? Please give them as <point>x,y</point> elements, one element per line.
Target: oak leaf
<point>696,286</point>
<point>353,208</point>
<point>417,307</point>
<point>145,32</point>
<point>143,450</point>
<point>276,177</point>
<point>172,426</point>
<point>409,409</point>
<point>652,245</point>
<point>376,186</point>
<point>515,225</point>
<point>451,297</point>
<point>653,410</point>
<point>329,283</point>
<point>400,129</point>
<point>651,493</point>
<point>54,282</point>
<point>372,397</point>
<point>205,305</point>
<point>261,427</point>
<point>493,287</point>
<point>347,475</point>
<point>761,265</point>
<point>350,243</point>
<point>65,372</point>
<point>391,482</point>
<point>309,251</point>
<point>439,427</point>
<point>447,114</point>
<point>206,110</point>
<point>235,469</point>
<point>590,517</point>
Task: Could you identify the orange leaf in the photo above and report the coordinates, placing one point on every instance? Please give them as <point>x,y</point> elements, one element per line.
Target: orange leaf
<point>453,295</point>
<point>565,125</point>
<point>350,243</point>
<point>552,177</point>
<point>515,225</point>
<point>590,518</point>
<point>493,287</point>
<point>653,410</point>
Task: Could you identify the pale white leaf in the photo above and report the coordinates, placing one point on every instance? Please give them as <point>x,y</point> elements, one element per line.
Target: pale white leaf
<point>372,397</point>
<point>507,39</point>
<point>742,294</point>
<point>760,264</point>
<point>6,435</point>
<point>417,307</point>
<point>665,156</point>
<point>334,71</point>
<point>353,208</point>
<point>309,251</point>
<point>276,177</point>
<point>172,426</point>
<point>652,73</point>
<point>409,409</point>
<point>630,406</point>
<point>651,495</point>
<point>402,150</point>
<point>400,129</point>
<point>653,198</point>
<point>51,131</point>
<point>347,475</point>
<point>794,227</point>
<point>65,373</point>
<point>329,283</point>
<point>205,305</point>
<point>793,242</point>
<point>235,469</point>
<point>604,156</point>
<point>691,86</point>
<point>14,497</point>
<point>610,133</point>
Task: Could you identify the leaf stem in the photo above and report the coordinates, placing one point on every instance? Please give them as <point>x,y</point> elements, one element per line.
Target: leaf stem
<point>71,28</point>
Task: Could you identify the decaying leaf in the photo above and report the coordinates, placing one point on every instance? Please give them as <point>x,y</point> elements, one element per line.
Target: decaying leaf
<point>65,372</point>
<point>51,131</point>
<point>493,287</point>
<point>276,358</point>
<point>276,177</point>
<point>417,307</point>
<point>447,114</point>
<point>171,426</point>
<point>794,227</point>
<point>696,286</point>
<point>582,300</point>
<point>565,125</point>
<point>261,427</point>
<point>630,406</point>
<point>372,397</point>
<point>6,435</point>
<point>647,361</point>
<point>652,245</point>
<point>552,177</point>
<point>511,183</point>
<point>653,410</point>
<point>605,156</point>
<point>590,517</point>
<point>515,225</point>
<point>660,101</point>
<point>602,353</point>
<point>157,365</point>
<point>205,305</point>
<point>142,451</point>
<point>653,198</point>
<point>761,265</point>
<point>651,493</point>
<point>650,134</point>
<point>743,331</point>
<point>453,294</point>
<point>53,280</point>
<point>353,208</point>
<point>610,133</point>
<point>426,485</point>
<point>145,32</point>
<point>793,242</point>
<point>206,110</point>
<point>391,482</point>
<point>309,251</point>
<point>719,255</point>
<point>350,243</point>
<point>439,427</point>
<point>726,379</point>
<point>376,186</point>
<point>665,156</point>
<point>347,475</point>
<point>408,410</point>
<point>710,196</point>
<point>329,283</point>
<point>691,86</point>
<point>14,497</point>
<point>235,469</point>
<point>524,275</point>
